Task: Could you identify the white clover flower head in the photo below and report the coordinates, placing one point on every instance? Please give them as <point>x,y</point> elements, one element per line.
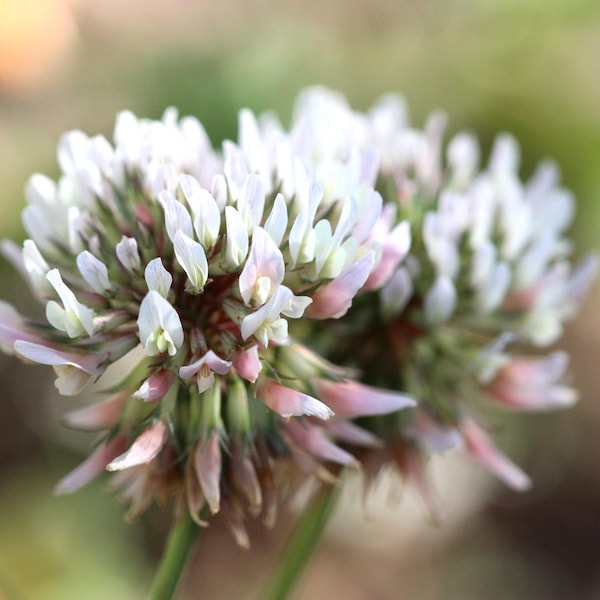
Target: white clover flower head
<point>203,259</point>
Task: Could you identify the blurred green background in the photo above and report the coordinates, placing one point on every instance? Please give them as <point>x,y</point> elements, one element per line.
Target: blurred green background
<point>528,67</point>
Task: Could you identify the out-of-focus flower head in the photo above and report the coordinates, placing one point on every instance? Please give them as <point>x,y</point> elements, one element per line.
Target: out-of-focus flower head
<point>201,259</point>
<point>486,286</point>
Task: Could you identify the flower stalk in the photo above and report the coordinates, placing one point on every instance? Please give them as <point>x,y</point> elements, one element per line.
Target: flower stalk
<point>178,549</point>
<point>303,542</point>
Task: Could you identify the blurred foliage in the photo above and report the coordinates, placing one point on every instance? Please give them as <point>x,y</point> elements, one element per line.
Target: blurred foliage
<point>69,547</point>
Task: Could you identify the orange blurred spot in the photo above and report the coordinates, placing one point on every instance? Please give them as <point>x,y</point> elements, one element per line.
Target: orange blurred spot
<point>35,36</point>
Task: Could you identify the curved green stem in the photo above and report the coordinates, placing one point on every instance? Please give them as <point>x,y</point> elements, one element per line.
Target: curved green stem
<point>303,541</point>
<point>181,540</point>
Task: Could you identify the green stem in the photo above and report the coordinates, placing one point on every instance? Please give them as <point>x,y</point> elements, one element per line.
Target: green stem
<point>181,540</point>
<point>303,541</point>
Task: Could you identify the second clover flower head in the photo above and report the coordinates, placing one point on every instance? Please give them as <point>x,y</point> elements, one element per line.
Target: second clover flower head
<point>485,285</point>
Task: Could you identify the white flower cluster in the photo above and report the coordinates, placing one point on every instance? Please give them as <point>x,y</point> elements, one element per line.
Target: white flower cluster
<point>488,270</point>
<point>202,257</point>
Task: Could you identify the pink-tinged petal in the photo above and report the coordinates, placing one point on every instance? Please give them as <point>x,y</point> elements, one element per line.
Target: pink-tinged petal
<point>90,363</point>
<point>13,253</point>
<point>247,363</point>
<point>290,403</point>
<point>156,386</point>
<point>348,432</point>
<point>208,464</point>
<point>13,327</point>
<point>243,477</point>
<point>92,466</point>
<point>232,515</point>
<point>193,493</point>
<point>481,449</point>
<point>370,216</point>
<point>212,361</point>
<point>143,450</point>
<point>394,250</point>
<point>98,416</point>
<point>583,276</point>
<point>311,439</point>
<point>531,384</point>
<point>352,399</point>
<point>138,487</point>
<point>425,430</point>
<point>411,464</point>
<point>335,298</point>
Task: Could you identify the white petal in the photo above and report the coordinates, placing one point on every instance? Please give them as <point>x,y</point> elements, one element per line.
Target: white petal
<point>296,306</point>
<point>235,168</point>
<point>219,192</point>
<point>396,293</point>
<point>484,258</point>
<point>237,237</point>
<point>127,253</point>
<point>264,261</point>
<point>463,157</point>
<point>493,291</point>
<point>268,312</point>
<point>440,301</point>
<point>177,218</point>
<point>94,271</point>
<point>205,210</point>
<point>76,317</point>
<point>505,157</point>
<point>70,380</point>
<point>190,255</point>
<point>157,277</point>
<point>251,201</point>
<point>160,328</point>
<point>277,221</point>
